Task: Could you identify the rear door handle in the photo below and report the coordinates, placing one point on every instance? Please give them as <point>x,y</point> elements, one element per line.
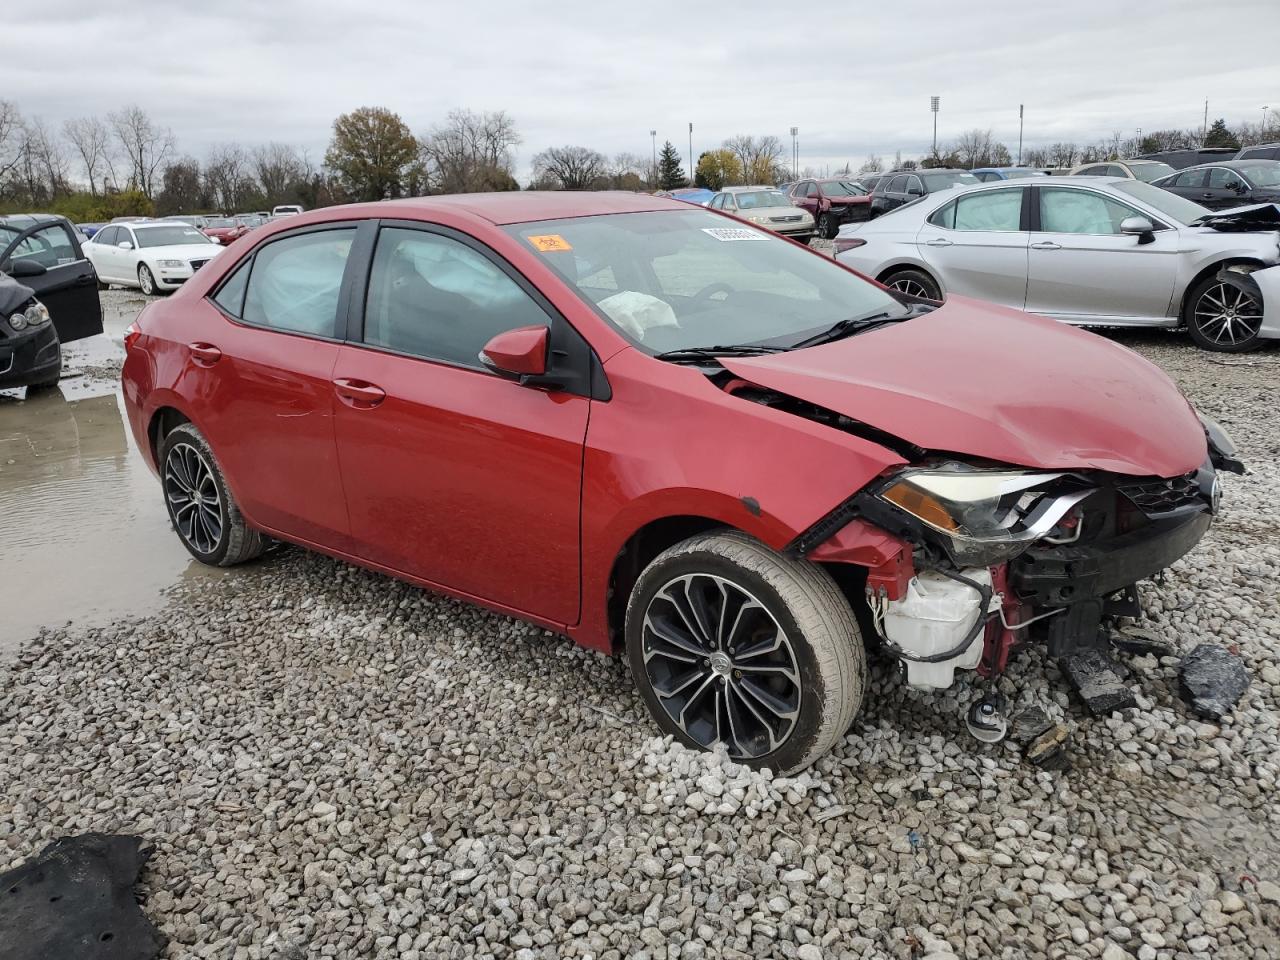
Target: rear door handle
<point>938,242</point>
<point>1046,245</point>
<point>205,354</point>
<point>359,393</point>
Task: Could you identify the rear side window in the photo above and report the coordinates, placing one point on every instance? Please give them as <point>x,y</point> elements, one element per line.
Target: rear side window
<point>994,210</point>
<point>434,297</point>
<point>295,282</point>
<point>1191,178</point>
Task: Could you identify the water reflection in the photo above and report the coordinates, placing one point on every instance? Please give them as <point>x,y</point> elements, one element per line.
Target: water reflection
<point>83,533</point>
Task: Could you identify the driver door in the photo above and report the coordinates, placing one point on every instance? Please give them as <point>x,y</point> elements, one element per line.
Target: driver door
<point>1081,268</point>
<point>66,282</point>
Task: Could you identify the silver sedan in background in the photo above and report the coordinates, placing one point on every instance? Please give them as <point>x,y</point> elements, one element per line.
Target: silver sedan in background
<point>1098,251</point>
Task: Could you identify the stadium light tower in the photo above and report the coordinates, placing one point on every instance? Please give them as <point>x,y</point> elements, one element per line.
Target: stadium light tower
<point>795,152</point>
<point>933,107</point>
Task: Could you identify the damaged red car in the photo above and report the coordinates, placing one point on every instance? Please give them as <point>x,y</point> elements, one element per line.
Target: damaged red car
<point>669,434</point>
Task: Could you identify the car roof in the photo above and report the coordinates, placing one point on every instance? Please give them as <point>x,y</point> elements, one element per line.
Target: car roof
<point>1259,163</point>
<point>747,188</point>
<point>524,206</point>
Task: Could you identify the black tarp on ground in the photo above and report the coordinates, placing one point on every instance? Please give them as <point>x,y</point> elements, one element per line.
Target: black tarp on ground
<point>75,901</point>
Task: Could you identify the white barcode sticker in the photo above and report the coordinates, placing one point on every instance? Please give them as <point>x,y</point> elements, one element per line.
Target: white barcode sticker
<point>733,233</point>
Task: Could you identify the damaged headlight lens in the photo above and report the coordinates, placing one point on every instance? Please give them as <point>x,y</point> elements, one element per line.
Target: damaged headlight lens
<point>984,516</point>
<point>36,314</point>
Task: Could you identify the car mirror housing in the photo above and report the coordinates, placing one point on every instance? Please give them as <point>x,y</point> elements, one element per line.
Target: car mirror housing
<point>517,353</point>
<point>27,268</point>
<point>1140,227</point>
<point>125,245</point>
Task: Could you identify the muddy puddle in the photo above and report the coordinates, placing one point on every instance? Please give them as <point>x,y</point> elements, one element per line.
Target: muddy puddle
<point>83,533</point>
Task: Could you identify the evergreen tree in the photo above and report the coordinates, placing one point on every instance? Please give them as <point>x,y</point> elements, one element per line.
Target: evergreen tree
<point>670,170</point>
<point>1220,136</point>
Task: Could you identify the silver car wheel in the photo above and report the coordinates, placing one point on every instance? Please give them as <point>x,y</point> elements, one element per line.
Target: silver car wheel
<point>194,502</point>
<point>721,665</point>
<point>1227,315</point>
<point>912,288</point>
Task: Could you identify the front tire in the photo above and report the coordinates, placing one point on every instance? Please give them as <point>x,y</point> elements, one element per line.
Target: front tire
<point>146,282</point>
<point>201,508</point>
<point>731,642</point>
<point>827,226</point>
<point>1222,318</point>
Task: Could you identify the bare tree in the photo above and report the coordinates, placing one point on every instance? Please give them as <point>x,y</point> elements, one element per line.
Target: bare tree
<point>228,181</point>
<point>91,140</point>
<point>569,168</point>
<point>48,162</point>
<point>759,156</point>
<point>12,138</point>
<point>1063,154</point>
<point>471,151</point>
<point>280,169</point>
<point>872,164</point>
<point>146,145</point>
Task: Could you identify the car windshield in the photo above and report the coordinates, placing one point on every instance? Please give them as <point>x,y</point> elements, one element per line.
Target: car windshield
<point>221,222</point>
<point>1264,176</point>
<point>940,181</point>
<point>170,236</point>
<point>842,188</point>
<point>1177,208</point>
<point>1150,171</point>
<point>761,198</point>
<point>682,279</point>
<point>1018,174</point>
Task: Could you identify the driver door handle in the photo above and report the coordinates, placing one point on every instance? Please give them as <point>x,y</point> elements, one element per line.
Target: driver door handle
<point>938,242</point>
<point>1046,245</point>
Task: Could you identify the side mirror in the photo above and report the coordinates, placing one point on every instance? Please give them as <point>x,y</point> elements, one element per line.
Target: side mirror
<point>27,268</point>
<point>125,244</point>
<point>914,192</point>
<point>1139,227</point>
<point>519,353</point>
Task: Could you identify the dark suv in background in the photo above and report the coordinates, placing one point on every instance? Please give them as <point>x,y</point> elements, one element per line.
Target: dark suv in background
<point>898,187</point>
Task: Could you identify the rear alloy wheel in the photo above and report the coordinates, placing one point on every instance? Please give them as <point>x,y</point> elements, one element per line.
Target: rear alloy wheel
<point>914,283</point>
<point>146,282</point>
<point>201,508</point>
<point>1222,317</point>
<point>732,643</point>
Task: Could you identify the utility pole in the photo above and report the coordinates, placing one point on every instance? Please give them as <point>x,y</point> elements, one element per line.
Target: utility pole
<point>1204,131</point>
<point>691,177</point>
<point>653,135</point>
<point>933,106</point>
<point>795,153</point>
<point>1020,134</point>
<point>1264,119</point>
<point>1139,148</point>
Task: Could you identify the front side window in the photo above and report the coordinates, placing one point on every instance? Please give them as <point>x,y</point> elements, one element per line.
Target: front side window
<point>681,279</point>
<point>434,297</point>
<point>49,246</point>
<point>294,282</point>
<point>107,236</point>
<point>1081,211</point>
<point>1220,178</point>
<point>1191,178</point>
<point>1169,204</point>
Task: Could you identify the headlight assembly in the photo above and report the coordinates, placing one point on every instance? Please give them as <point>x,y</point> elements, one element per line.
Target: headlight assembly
<point>18,321</point>
<point>36,314</point>
<point>983,516</point>
<point>171,263</point>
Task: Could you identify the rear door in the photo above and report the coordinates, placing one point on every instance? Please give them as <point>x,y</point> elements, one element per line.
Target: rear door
<point>68,285</point>
<point>1081,267</point>
<point>453,474</point>
<point>1188,183</point>
<point>977,244</point>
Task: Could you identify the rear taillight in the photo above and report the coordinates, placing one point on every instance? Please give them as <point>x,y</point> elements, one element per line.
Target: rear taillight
<point>848,243</point>
<point>131,334</point>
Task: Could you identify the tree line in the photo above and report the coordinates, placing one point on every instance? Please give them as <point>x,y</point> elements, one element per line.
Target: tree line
<point>94,168</point>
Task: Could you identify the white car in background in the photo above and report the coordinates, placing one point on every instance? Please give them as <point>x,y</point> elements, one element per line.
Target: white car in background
<point>286,210</point>
<point>154,256</point>
<point>1097,251</point>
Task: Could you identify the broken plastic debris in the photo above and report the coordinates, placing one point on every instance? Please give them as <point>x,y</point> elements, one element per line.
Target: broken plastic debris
<point>1213,680</point>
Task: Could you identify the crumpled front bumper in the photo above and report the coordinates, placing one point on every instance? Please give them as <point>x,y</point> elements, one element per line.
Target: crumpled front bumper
<point>34,356</point>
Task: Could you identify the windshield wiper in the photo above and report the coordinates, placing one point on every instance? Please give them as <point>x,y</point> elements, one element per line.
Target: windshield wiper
<point>848,325</point>
<point>686,354</point>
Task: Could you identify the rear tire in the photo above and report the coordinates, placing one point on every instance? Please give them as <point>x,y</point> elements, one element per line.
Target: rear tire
<point>914,283</point>
<point>201,508</point>
<point>731,642</point>
<point>1222,318</point>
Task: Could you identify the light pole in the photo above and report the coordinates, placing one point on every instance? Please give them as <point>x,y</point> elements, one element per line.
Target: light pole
<point>795,153</point>
<point>1264,118</point>
<point>1020,134</point>
<point>691,177</point>
<point>933,106</point>
<point>1139,146</point>
<point>653,135</point>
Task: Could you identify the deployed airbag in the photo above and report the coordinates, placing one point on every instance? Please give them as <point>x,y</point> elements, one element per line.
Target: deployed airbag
<point>76,899</point>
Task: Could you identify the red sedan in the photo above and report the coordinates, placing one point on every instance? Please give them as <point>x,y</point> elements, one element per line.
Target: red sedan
<point>225,230</point>
<point>662,431</point>
<point>833,202</point>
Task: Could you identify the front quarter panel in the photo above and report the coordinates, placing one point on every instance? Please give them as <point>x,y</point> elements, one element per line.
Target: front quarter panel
<point>671,444</point>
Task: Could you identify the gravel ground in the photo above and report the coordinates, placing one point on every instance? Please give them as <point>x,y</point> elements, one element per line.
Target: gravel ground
<point>334,764</point>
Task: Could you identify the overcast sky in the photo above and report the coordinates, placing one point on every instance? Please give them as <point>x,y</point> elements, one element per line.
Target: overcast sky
<point>854,77</point>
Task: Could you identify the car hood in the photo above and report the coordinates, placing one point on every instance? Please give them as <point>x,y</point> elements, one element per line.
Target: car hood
<point>843,201</point>
<point>182,251</point>
<point>984,381</point>
<point>13,294</point>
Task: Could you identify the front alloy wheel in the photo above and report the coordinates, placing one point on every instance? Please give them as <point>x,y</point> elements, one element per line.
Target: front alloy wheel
<point>732,643</point>
<point>146,282</point>
<point>1225,318</point>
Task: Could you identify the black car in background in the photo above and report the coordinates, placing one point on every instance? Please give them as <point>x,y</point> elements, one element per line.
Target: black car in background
<point>41,255</point>
<point>1229,183</point>
<point>897,187</point>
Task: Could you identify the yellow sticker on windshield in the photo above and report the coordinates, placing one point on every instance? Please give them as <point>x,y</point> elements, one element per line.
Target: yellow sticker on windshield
<point>550,243</point>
